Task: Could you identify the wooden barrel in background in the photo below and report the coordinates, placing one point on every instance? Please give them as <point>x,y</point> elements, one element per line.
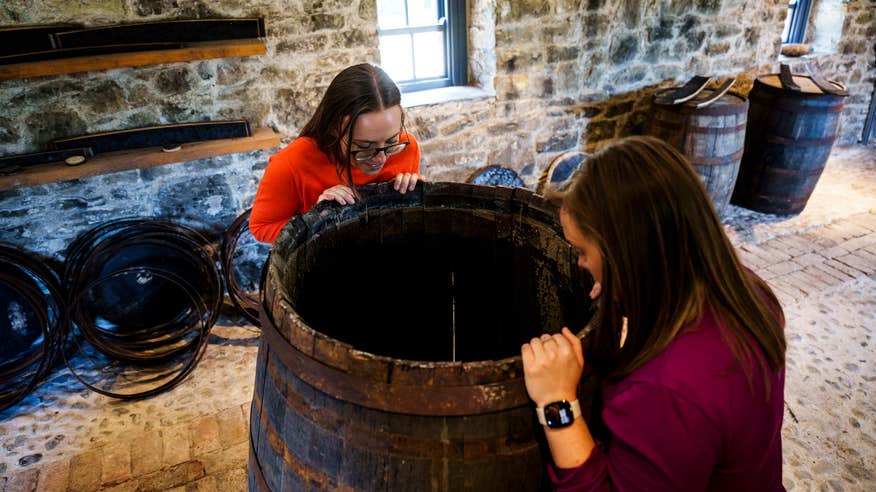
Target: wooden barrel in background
<point>391,335</point>
<point>790,135</point>
<point>712,138</point>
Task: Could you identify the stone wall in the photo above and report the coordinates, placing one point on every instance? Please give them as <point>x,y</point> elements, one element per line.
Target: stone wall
<point>566,74</point>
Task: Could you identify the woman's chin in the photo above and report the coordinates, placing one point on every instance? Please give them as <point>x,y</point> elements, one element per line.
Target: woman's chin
<point>369,169</point>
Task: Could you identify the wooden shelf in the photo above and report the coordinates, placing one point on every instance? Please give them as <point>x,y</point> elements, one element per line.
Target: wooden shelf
<point>111,162</point>
<point>194,51</point>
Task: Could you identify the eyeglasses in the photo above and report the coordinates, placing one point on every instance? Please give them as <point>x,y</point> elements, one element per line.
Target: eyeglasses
<point>365,154</point>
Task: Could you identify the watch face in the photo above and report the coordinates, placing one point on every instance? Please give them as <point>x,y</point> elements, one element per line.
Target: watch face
<point>558,414</point>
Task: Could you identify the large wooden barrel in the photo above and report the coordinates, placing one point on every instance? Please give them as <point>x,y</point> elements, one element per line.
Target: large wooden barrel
<point>391,333</point>
<point>790,135</point>
<point>711,137</point>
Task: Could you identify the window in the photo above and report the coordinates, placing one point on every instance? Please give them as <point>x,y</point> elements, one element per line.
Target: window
<point>423,42</point>
<point>795,23</point>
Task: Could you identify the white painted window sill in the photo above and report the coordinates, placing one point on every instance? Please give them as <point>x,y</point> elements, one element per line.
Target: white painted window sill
<point>444,95</point>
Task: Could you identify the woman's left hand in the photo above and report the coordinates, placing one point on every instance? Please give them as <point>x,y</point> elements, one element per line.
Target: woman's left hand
<point>405,182</point>
<point>552,366</point>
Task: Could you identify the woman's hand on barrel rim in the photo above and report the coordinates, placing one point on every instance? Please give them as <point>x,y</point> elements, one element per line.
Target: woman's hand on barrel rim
<point>552,367</point>
<point>340,193</point>
<point>405,182</point>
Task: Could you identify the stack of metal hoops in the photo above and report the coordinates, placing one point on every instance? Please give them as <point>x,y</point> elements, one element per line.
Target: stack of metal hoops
<point>32,321</point>
<point>247,303</point>
<point>142,296</point>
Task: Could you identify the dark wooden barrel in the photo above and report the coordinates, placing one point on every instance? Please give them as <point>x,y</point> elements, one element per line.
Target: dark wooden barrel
<point>711,137</point>
<point>391,333</point>
<point>790,135</point>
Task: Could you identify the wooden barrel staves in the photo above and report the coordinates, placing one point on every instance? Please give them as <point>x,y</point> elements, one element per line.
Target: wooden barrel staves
<point>790,135</point>
<point>391,333</point>
<point>711,137</point>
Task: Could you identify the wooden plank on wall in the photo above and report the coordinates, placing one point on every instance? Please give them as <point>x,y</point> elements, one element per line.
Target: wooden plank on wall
<point>195,51</point>
<point>111,162</point>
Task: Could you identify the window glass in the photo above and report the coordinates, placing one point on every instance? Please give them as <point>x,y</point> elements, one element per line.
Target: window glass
<point>422,12</point>
<point>391,14</point>
<point>429,54</point>
<point>396,56</point>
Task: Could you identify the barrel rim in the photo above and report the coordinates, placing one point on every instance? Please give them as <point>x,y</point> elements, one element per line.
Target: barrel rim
<point>334,352</point>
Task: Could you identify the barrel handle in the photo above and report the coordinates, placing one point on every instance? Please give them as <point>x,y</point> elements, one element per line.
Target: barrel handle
<point>826,86</point>
<point>717,93</point>
<point>787,78</point>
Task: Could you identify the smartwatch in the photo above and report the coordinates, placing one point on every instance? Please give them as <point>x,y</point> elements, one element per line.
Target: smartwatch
<point>558,414</point>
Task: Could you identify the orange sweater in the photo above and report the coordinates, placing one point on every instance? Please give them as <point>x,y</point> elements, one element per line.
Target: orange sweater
<point>298,174</point>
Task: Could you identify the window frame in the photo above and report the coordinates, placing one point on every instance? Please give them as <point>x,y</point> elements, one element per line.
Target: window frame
<point>453,15</point>
<point>799,19</point>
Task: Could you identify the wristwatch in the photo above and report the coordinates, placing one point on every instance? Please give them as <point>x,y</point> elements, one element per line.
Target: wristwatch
<point>558,414</point>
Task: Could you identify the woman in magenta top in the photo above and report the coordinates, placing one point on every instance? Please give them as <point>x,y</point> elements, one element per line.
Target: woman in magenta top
<point>689,345</point>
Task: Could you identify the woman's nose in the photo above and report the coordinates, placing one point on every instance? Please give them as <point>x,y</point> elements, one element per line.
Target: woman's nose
<point>582,263</point>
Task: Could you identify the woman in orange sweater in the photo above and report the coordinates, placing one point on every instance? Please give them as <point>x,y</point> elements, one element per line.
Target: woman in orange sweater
<point>355,137</point>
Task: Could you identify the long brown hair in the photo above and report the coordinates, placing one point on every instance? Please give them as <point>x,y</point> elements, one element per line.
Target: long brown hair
<point>665,256</point>
<point>358,89</point>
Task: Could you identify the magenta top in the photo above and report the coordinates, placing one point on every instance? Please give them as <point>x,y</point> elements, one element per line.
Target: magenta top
<point>687,420</point>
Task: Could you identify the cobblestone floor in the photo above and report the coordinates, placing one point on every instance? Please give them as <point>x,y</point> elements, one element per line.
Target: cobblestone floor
<point>822,264</point>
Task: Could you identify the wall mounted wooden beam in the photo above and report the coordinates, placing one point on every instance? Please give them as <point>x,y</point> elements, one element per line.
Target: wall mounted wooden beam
<point>194,51</point>
<point>111,162</point>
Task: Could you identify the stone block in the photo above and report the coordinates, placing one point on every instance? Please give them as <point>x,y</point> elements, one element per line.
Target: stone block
<point>146,453</point>
<point>807,283</point>
<point>234,479</point>
<point>775,254</point>
<point>116,466</point>
<point>85,471</point>
<point>557,142</point>
<point>53,476</point>
<point>326,21</point>
<point>455,126</point>
<point>859,242</point>
<point>562,53</point>
<point>809,259</point>
<point>856,261</point>
<point>624,49</point>
<point>175,444</point>
<point>786,291</point>
<point>783,268</point>
<point>129,486</point>
<point>171,477</point>
<point>600,130</point>
<point>206,484</point>
<point>23,481</point>
<point>232,427</point>
<point>821,276</point>
<point>842,266</point>
<point>204,434</point>
<point>234,456</point>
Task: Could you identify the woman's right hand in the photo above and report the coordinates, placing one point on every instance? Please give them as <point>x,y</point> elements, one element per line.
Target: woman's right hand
<point>552,366</point>
<point>342,194</point>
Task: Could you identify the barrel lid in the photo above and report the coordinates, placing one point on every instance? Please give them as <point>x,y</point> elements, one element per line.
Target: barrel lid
<point>807,86</point>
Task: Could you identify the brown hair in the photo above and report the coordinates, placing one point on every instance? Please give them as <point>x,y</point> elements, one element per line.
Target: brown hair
<point>358,89</point>
<point>665,256</point>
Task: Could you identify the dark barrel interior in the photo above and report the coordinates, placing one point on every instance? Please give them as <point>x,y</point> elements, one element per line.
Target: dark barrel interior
<point>442,284</point>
